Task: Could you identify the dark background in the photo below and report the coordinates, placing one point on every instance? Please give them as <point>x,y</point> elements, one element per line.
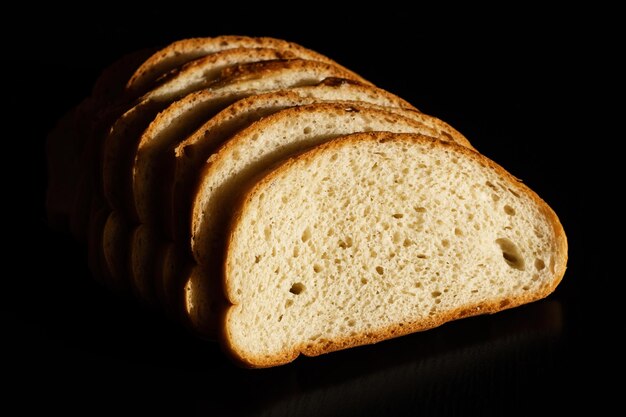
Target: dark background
<point>536,91</point>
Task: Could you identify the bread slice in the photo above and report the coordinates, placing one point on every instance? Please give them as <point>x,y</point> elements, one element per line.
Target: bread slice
<point>183,51</point>
<point>374,236</point>
<point>249,153</point>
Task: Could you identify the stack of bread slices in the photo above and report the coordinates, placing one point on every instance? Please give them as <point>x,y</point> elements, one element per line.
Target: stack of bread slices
<point>277,202</point>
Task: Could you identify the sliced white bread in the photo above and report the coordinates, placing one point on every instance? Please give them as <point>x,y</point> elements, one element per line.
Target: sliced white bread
<point>249,153</point>
<point>374,236</point>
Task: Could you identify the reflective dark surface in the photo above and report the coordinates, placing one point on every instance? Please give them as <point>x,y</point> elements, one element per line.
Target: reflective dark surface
<point>528,95</point>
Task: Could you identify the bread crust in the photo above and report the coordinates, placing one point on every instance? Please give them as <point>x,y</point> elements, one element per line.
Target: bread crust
<point>322,346</point>
<point>170,56</point>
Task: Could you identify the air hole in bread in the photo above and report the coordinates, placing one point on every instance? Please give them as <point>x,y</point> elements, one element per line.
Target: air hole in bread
<point>317,268</point>
<point>345,243</point>
<point>458,232</point>
<point>511,253</point>
<point>445,243</point>
<point>407,243</point>
<point>306,235</point>
<point>398,215</point>
<point>307,130</point>
<point>421,256</point>
<point>509,210</point>
<point>297,288</point>
<point>513,192</point>
<point>495,197</point>
<point>420,209</point>
<point>539,264</point>
<point>288,303</point>
<point>363,281</point>
<point>380,270</point>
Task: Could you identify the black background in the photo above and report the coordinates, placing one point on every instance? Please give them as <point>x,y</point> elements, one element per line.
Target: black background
<point>536,91</point>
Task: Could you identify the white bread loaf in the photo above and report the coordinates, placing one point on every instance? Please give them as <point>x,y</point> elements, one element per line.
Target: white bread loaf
<point>271,199</point>
<point>375,236</point>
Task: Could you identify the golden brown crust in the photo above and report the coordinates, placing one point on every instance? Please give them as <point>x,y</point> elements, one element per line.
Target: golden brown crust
<point>187,49</point>
<point>259,70</point>
<point>322,346</point>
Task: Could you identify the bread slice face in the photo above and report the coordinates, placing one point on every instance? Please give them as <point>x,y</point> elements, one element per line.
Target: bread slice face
<point>373,236</point>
